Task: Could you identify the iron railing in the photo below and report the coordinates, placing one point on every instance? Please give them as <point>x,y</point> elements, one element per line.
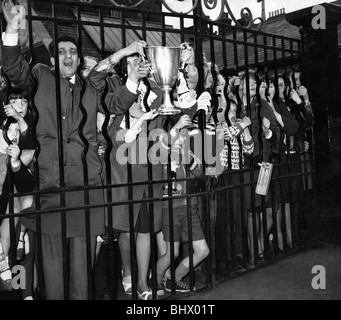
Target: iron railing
<point>233,49</point>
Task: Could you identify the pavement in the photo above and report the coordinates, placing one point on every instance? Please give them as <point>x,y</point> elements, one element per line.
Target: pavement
<point>291,276</point>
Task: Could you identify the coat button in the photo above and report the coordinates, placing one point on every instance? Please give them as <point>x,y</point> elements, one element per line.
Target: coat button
<point>67,140</point>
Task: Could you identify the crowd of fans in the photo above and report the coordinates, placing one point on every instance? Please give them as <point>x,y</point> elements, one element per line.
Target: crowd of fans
<point>247,119</point>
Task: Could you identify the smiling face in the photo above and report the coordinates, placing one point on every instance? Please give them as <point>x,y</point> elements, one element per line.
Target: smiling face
<point>68,58</point>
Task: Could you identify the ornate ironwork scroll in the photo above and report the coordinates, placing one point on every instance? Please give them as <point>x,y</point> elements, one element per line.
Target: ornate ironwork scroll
<point>188,6</point>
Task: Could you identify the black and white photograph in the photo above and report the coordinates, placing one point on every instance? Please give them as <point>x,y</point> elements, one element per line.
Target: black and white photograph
<point>184,152</point>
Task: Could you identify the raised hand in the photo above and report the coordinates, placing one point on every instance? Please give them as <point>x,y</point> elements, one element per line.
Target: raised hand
<point>101,150</point>
<point>184,121</point>
<point>136,46</point>
<point>14,15</point>
<point>11,112</point>
<point>187,54</point>
<point>149,115</point>
<point>303,92</point>
<point>306,146</point>
<point>245,122</point>
<point>204,101</point>
<point>14,152</point>
<point>294,96</point>
<point>188,99</point>
<point>265,125</point>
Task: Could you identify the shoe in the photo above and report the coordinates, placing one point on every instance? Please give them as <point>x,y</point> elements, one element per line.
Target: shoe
<point>239,268</point>
<point>180,286</point>
<point>261,256</point>
<point>159,289</point>
<point>145,295</point>
<point>127,286</point>
<point>240,265</point>
<point>104,295</point>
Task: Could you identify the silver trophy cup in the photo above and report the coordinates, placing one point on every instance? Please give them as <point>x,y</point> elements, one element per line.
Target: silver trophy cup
<point>165,63</point>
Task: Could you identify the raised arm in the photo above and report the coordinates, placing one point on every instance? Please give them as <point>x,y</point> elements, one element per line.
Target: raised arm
<point>235,130</point>
<point>120,96</point>
<point>15,67</point>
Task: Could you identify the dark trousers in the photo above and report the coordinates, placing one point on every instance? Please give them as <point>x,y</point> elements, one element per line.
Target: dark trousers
<point>76,277</point>
<point>229,219</point>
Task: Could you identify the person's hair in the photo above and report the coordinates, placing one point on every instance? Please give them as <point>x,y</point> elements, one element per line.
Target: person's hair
<point>121,68</point>
<point>17,93</point>
<point>91,58</point>
<point>5,122</point>
<point>251,74</point>
<point>64,39</point>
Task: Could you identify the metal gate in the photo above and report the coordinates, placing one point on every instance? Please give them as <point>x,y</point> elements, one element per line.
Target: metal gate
<point>104,28</point>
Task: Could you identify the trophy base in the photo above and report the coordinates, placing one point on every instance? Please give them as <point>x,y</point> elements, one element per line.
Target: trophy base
<point>166,111</point>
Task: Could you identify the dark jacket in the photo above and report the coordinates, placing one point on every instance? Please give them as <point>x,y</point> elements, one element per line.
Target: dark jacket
<point>305,119</point>
<point>262,146</point>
